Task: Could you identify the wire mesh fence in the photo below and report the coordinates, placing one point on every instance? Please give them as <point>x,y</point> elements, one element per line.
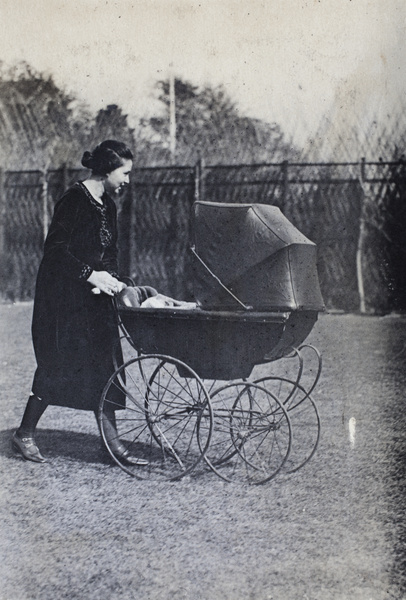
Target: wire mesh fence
<point>22,232</point>
<point>354,212</point>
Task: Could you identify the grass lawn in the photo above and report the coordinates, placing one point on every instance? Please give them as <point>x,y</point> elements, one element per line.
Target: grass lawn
<point>79,528</point>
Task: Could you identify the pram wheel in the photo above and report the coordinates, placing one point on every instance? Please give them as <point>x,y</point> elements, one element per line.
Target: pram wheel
<point>251,435</point>
<point>157,416</point>
<point>304,418</point>
<point>292,382</point>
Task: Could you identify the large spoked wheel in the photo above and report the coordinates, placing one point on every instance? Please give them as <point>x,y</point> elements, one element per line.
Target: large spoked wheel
<point>157,414</point>
<point>251,435</point>
<point>304,418</point>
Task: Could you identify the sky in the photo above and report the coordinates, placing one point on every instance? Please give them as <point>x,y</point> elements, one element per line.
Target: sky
<point>288,61</point>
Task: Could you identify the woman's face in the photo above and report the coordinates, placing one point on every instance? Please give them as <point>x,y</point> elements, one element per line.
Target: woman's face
<point>119,177</point>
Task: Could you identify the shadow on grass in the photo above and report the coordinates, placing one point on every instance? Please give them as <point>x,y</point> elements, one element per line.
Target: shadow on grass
<point>54,443</point>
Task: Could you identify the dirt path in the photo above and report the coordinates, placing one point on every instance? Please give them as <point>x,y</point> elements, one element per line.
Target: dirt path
<point>79,528</point>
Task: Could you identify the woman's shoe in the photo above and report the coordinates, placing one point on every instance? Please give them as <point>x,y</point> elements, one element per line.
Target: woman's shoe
<point>124,455</point>
<point>113,441</point>
<point>127,458</point>
<point>27,448</point>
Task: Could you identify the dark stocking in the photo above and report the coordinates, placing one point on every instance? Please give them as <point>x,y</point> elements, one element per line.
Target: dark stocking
<point>32,414</point>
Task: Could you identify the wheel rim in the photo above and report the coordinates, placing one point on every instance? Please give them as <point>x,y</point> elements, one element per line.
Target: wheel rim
<point>162,413</point>
<point>251,436</point>
<point>304,417</point>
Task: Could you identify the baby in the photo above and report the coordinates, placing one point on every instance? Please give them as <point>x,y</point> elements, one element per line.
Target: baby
<point>148,297</point>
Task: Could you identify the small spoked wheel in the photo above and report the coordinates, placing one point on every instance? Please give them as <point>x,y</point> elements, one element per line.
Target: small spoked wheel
<point>304,418</point>
<point>157,415</point>
<point>251,435</point>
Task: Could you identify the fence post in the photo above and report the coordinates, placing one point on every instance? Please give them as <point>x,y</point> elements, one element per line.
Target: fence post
<point>44,198</point>
<point>65,181</point>
<point>199,180</point>
<point>131,238</point>
<point>285,190</point>
<point>3,249</point>
<point>361,238</point>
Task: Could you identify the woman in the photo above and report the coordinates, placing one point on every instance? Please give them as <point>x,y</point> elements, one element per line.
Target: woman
<point>73,329</point>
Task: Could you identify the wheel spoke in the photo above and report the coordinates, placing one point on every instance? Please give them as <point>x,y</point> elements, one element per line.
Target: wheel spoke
<point>252,434</point>
<point>160,415</point>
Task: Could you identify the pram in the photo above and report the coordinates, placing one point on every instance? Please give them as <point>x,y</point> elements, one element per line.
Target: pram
<point>204,385</point>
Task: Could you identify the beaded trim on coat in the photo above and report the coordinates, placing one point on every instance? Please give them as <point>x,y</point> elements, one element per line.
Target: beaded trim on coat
<point>106,236</point>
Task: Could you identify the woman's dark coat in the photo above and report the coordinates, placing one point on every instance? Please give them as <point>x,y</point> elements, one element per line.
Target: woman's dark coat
<point>74,330</point>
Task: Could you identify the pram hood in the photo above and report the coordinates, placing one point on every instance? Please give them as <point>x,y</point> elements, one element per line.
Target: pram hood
<point>257,254</point>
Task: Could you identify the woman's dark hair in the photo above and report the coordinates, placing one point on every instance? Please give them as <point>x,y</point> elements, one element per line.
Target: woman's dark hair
<point>106,157</point>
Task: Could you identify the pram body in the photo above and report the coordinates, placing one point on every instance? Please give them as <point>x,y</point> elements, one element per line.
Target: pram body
<point>257,300</point>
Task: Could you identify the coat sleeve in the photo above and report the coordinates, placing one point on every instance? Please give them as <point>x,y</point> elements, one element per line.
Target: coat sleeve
<point>56,248</point>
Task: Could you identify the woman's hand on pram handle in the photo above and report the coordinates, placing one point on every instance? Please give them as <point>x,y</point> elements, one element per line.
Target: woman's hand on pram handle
<point>106,283</point>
